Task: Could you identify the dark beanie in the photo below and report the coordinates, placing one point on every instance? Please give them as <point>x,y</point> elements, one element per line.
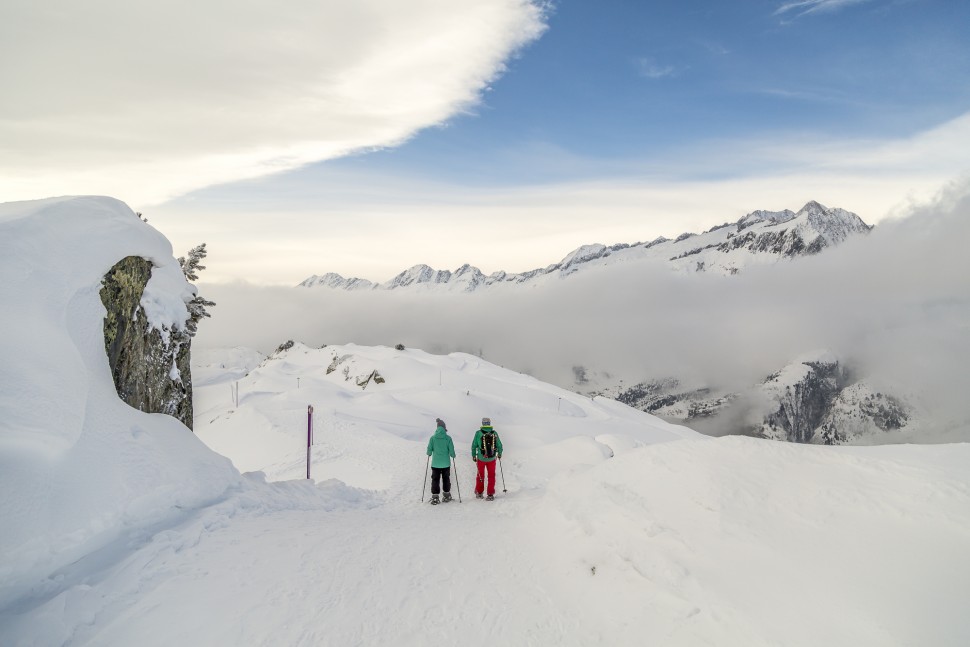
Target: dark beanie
<point>441,423</point>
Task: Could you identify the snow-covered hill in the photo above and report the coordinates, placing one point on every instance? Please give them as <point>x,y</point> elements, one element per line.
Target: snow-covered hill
<point>611,527</point>
<point>761,237</point>
<point>352,387</point>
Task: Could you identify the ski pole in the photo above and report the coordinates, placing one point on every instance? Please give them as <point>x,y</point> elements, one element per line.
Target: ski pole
<point>425,484</point>
<point>457,484</point>
<point>503,474</point>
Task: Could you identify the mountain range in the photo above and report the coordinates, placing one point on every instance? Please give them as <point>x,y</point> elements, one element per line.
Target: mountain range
<point>760,237</point>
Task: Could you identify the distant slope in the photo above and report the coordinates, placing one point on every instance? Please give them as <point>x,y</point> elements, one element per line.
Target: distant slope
<point>760,237</point>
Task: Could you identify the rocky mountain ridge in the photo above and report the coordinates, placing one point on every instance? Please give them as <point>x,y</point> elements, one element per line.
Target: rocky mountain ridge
<point>759,237</point>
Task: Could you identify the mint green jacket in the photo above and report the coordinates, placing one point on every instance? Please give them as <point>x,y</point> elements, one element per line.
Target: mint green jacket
<point>477,447</point>
<point>441,448</point>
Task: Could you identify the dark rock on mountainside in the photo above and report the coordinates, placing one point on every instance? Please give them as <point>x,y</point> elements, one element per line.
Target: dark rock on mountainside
<point>150,367</point>
<point>803,401</point>
<point>813,400</point>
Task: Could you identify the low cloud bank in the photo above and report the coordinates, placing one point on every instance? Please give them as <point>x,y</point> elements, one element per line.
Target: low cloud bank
<point>896,304</point>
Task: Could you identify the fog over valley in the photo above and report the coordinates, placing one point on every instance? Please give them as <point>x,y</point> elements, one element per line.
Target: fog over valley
<point>893,304</point>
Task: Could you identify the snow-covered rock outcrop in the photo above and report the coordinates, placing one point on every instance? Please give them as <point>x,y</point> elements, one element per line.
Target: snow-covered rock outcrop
<point>149,361</point>
<point>80,468</point>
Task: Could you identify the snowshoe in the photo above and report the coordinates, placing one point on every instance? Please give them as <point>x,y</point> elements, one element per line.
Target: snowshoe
<point>434,499</point>
<point>490,497</point>
<point>446,498</point>
<point>479,495</point>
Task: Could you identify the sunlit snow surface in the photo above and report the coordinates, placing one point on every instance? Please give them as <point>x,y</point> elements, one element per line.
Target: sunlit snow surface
<point>615,529</point>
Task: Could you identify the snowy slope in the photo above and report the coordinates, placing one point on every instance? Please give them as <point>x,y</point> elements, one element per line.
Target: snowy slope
<point>608,534</point>
<point>121,528</point>
<point>760,237</point>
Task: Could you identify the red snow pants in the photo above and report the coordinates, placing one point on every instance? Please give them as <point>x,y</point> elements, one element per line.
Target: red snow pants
<point>480,482</point>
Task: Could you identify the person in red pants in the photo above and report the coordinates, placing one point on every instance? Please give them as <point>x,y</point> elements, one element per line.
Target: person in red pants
<point>486,447</point>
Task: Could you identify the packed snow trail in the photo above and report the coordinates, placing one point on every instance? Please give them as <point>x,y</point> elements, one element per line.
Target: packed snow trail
<point>396,574</point>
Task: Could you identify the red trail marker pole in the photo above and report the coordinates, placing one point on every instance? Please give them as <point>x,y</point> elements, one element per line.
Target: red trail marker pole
<point>309,436</point>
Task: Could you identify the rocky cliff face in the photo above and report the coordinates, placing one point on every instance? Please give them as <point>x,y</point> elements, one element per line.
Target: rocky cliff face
<point>804,393</point>
<point>150,366</point>
<point>812,400</point>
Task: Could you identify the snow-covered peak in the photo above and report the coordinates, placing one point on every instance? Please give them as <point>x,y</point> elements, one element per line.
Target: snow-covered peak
<point>417,275</point>
<point>834,225</point>
<point>812,206</point>
<point>334,280</point>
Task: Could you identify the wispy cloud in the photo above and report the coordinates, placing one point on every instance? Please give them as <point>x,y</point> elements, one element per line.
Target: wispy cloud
<point>714,48</point>
<point>146,101</point>
<point>801,8</point>
<point>651,69</point>
<point>816,95</point>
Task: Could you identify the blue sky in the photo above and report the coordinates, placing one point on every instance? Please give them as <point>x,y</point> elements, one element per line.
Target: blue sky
<point>495,132</point>
<point>617,85</point>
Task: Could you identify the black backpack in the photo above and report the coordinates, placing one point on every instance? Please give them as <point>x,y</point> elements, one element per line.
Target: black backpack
<point>488,444</point>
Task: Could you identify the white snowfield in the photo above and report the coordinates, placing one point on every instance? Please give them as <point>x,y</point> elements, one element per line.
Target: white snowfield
<point>123,528</point>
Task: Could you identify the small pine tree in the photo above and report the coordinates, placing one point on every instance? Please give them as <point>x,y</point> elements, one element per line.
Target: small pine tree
<point>197,306</point>
<point>193,265</point>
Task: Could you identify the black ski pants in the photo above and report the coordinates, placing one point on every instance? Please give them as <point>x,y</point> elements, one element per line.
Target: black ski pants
<point>440,474</point>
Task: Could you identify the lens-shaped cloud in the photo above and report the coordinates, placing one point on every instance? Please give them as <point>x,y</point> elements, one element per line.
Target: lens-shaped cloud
<point>148,100</point>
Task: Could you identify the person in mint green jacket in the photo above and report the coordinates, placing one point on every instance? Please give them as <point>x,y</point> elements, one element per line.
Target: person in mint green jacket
<point>441,449</point>
<point>486,447</point>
